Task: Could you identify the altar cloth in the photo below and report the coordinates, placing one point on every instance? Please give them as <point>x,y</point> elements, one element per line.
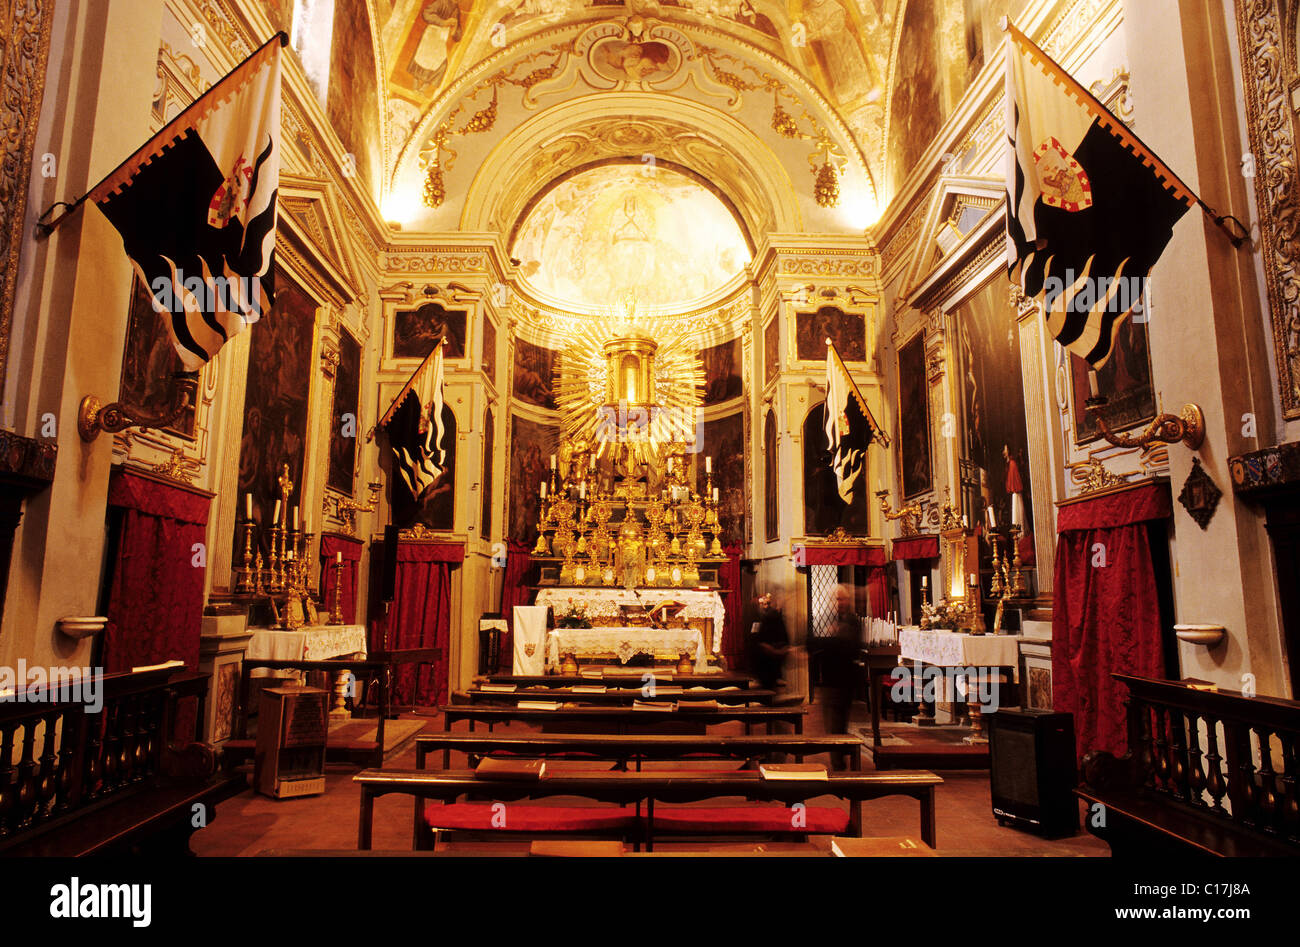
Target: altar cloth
<point>626,642</point>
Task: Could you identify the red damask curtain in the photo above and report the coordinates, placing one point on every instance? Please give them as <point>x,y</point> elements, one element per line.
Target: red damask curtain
<point>330,546</point>
<point>155,603</point>
<point>1105,610</point>
<point>421,618</point>
<point>515,590</point>
<point>916,547</point>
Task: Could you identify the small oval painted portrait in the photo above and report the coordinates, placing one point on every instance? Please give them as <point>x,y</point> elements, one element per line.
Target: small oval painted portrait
<point>624,61</point>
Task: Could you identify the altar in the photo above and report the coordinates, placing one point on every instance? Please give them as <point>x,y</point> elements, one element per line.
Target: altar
<point>958,654</point>
<point>698,622</point>
<point>309,643</point>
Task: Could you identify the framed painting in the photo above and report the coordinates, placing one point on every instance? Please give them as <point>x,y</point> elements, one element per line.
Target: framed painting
<point>823,509</point>
<point>1125,380</point>
<point>149,361</point>
<point>724,441</point>
<point>846,330</point>
<point>343,433</point>
<point>535,374</point>
<point>914,418</point>
<point>722,371</point>
<point>275,405</point>
<point>771,511</point>
<point>531,446</point>
<point>417,331</point>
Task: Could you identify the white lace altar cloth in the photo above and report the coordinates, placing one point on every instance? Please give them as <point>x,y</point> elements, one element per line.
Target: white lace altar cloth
<point>603,605</point>
<point>665,643</point>
<point>308,643</point>
<point>952,649</point>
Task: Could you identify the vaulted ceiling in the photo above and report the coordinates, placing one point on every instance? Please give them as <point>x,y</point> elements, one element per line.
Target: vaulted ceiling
<point>879,74</point>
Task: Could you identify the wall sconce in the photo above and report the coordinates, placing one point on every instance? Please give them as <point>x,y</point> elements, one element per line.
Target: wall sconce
<point>346,508</point>
<point>1187,426</point>
<point>94,416</point>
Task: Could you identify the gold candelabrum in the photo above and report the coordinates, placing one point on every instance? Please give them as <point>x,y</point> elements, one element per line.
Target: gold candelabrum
<point>283,576</point>
<point>1008,579</point>
<point>659,540</point>
<point>909,517</point>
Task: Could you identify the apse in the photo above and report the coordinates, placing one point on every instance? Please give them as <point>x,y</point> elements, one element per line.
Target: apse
<point>595,237</point>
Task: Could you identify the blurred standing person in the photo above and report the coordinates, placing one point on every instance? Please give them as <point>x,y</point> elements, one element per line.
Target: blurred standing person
<point>768,644</point>
<point>840,673</point>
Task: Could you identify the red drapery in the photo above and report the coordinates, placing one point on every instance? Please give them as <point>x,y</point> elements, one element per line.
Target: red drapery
<point>155,605</point>
<point>872,557</point>
<point>1105,611</point>
<point>421,618</point>
<point>330,546</point>
<point>732,644</point>
<point>515,590</point>
<point>916,547</point>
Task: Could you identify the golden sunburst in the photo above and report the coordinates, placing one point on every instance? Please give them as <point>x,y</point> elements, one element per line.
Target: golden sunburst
<point>656,405</point>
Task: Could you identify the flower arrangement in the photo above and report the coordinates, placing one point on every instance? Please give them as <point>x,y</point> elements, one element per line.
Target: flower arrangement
<point>574,617</point>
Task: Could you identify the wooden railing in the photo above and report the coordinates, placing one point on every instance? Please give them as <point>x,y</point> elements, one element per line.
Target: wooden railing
<point>60,756</point>
<point>1219,753</point>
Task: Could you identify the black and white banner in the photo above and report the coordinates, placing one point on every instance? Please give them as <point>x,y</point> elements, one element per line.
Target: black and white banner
<point>849,426</point>
<point>196,208</point>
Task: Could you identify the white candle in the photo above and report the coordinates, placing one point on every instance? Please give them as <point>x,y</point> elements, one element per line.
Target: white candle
<point>708,465</point>
<point>582,490</point>
<point>295,519</point>
<point>275,517</point>
<point>543,490</point>
<point>248,505</point>
<point>925,581</point>
<point>1092,383</point>
<point>1017,511</point>
<point>993,519</point>
<point>715,495</point>
<point>552,461</point>
<point>338,558</point>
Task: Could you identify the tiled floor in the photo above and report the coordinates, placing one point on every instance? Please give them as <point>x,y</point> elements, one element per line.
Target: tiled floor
<point>249,823</point>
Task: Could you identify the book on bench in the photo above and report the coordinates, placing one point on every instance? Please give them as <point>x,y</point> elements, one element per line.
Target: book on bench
<point>668,689</point>
<point>491,767</point>
<point>705,705</point>
<point>778,771</point>
<point>498,688</point>
<point>596,673</point>
<point>538,705</point>
<point>662,706</point>
<point>587,689</point>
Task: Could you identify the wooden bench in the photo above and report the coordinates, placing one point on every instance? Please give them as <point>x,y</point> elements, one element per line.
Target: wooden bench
<point>76,782</point>
<point>1182,789</point>
<point>624,719</point>
<point>615,696</point>
<point>640,789</point>
<point>632,749</point>
<point>241,748</point>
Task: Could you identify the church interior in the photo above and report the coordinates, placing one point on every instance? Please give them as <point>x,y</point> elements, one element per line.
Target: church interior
<point>648,445</point>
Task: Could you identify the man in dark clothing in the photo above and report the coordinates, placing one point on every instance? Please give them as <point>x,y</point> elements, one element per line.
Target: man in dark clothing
<point>840,672</point>
<point>768,644</point>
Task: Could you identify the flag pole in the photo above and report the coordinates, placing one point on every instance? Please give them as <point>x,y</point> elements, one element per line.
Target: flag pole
<point>1121,130</point>
<point>46,227</point>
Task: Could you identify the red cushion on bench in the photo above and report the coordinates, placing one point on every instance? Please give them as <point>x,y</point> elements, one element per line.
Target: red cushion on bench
<point>818,820</point>
<point>528,818</point>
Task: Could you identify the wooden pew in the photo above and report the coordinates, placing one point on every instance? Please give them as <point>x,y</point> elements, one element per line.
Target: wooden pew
<point>625,719</point>
<point>643,788</point>
<point>614,696</point>
<point>633,749</point>
<point>1166,795</point>
<point>107,782</point>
